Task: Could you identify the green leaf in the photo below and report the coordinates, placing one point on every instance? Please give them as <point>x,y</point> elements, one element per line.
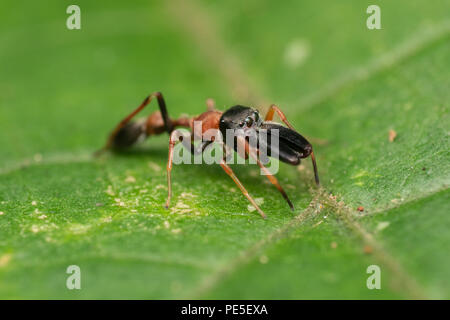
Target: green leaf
<point>340,84</point>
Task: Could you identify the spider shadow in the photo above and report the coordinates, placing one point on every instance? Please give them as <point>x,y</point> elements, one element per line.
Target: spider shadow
<point>160,155</point>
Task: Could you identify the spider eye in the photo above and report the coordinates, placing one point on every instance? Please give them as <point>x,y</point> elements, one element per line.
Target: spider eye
<point>249,121</point>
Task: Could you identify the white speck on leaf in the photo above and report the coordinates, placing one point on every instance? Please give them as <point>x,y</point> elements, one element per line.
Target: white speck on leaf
<point>181,208</point>
<point>187,195</point>
<point>77,228</point>
<point>259,201</point>
<point>154,166</point>
<point>5,259</point>
<point>382,225</point>
<point>317,224</point>
<point>263,259</point>
<point>37,157</point>
<point>110,191</point>
<point>296,53</point>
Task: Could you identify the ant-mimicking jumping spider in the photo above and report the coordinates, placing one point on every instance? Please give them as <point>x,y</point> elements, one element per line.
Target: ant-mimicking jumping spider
<point>292,145</point>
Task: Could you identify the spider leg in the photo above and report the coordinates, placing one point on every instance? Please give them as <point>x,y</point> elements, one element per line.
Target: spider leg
<point>253,152</point>
<point>210,104</point>
<point>162,106</point>
<point>230,172</point>
<point>269,117</point>
<point>175,137</point>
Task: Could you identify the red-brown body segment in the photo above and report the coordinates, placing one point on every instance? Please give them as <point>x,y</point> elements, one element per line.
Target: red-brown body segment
<point>208,119</point>
<point>155,123</point>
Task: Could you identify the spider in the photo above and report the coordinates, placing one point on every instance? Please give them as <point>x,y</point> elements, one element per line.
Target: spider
<point>292,147</point>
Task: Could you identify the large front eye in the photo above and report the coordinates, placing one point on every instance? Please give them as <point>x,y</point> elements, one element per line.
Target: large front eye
<point>248,121</point>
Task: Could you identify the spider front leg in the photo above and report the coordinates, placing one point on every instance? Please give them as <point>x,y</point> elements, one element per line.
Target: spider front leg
<point>254,153</point>
<point>269,117</point>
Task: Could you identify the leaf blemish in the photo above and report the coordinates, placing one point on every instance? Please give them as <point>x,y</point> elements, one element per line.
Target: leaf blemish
<point>259,201</point>
<point>5,259</point>
<point>392,135</point>
<point>110,191</point>
<point>382,225</point>
<point>154,166</point>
